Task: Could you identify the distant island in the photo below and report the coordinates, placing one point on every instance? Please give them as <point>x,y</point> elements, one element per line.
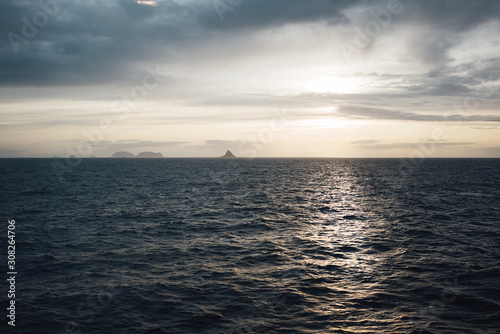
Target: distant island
<point>123,154</point>
<point>228,155</point>
<point>148,154</point>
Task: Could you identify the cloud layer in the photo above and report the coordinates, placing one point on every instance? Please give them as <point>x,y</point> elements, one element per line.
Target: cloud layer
<point>228,67</point>
<point>80,42</point>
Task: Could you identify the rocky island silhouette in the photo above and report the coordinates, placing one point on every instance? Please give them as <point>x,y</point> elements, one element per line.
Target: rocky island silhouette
<point>228,155</point>
<point>148,154</point>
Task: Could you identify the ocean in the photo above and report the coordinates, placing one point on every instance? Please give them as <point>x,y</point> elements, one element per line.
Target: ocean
<point>253,245</point>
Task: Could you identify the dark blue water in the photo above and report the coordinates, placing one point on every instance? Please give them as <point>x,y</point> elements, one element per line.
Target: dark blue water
<point>254,246</point>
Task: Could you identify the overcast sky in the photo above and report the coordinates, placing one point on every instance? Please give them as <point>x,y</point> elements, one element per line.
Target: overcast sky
<point>283,78</point>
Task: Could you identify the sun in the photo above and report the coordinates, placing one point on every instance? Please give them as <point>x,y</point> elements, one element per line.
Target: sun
<point>333,84</point>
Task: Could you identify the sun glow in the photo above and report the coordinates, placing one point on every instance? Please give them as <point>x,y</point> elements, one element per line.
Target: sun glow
<point>332,84</point>
<point>147,3</point>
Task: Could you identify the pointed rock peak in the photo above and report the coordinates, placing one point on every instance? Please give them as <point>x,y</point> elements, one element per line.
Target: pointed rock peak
<point>228,155</point>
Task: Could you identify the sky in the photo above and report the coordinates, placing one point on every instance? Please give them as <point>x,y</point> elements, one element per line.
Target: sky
<point>262,78</point>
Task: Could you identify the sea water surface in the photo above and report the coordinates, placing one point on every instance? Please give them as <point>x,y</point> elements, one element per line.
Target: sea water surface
<point>254,245</point>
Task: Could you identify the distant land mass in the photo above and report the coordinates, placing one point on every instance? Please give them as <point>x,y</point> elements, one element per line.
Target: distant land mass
<point>228,155</point>
<point>123,154</point>
<point>149,155</point>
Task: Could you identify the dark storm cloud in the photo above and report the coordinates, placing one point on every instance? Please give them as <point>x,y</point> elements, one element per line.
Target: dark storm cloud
<point>435,26</point>
<point>446,20</point>
<point>89,42</point>
<point>83,42</point>
<point>262,13</point>
<point>467,78</point>
<point>453,15</point>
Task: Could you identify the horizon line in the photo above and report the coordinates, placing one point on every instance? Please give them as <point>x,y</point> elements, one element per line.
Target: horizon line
<point>226,158</point>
